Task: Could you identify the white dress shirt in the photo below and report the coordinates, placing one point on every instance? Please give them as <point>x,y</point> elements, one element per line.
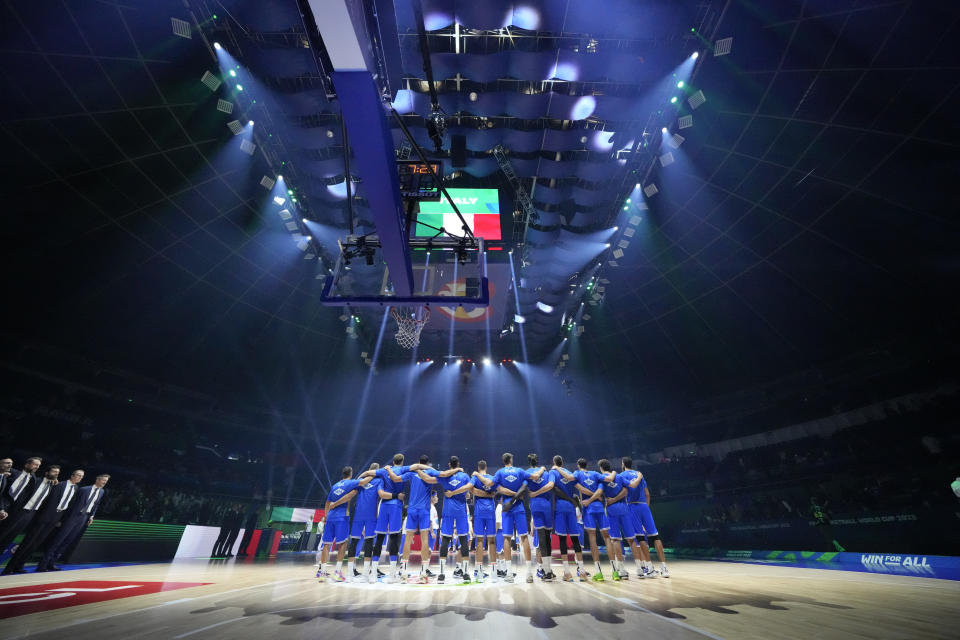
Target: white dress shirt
<point>18,485</point>
<point>39,495</point>
<point>67,496</point>
<point>93,499</point>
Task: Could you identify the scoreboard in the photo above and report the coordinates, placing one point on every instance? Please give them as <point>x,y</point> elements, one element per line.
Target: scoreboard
<point>416,181</point>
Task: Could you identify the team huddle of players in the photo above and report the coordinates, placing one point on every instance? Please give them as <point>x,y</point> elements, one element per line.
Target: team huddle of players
<point>579,504</point>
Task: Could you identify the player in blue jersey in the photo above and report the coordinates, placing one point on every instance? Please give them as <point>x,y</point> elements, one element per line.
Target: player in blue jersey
<point>615,489</point>
<point>390,515</point>
<point>418,512</point>
<point>541,511</point>
<point>565,518</point>
<point>484,517</point>
<point>638,501</point>
<point>509,480</point>
<point>364,525</point>
<point>455,487</point>
<point>592,511</point>
<point>633,484</point>
<point>338,522</point>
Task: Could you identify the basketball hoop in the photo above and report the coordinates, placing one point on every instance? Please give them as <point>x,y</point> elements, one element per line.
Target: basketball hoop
<point>410,322</point>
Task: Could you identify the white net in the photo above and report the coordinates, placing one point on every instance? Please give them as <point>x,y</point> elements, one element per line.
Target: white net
<point>410,322</point>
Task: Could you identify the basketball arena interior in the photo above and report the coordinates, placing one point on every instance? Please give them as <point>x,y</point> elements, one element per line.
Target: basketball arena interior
<point>504,319</point>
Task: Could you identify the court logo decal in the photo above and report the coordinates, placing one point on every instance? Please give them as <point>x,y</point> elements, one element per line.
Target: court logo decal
<point>19,601</point>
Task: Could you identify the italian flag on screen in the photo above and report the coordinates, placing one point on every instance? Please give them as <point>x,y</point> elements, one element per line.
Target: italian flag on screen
<point>479,207</point>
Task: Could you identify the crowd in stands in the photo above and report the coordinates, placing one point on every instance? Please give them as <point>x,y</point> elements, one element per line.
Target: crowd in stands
<point>902,462</point>
<point>179,472</point>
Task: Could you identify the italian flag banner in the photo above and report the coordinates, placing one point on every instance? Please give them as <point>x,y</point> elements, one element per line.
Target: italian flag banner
<point>290,514</point>
<point>480,208</point>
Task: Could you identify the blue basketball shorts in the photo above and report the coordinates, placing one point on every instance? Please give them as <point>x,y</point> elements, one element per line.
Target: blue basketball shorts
<point>565,523</point>
<point>621,524</point>
<point>390,518</point>
<point>643,523</point>
<point>447,524</point>
<point>515,519</point>
<point>484,526</point>
<point>336,530</point>
<point>595,520</point>
<point>418,519</point>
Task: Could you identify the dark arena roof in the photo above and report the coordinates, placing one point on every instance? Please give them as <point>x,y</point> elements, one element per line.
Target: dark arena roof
<point>787,249</point>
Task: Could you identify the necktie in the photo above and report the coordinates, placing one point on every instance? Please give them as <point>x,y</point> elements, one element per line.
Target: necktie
<point>65,500</point>
<point>93,499</point>
<point>36,500</point>
<point>17,488</point>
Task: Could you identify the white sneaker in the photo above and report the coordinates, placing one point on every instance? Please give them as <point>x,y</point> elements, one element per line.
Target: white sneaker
<point>372,577</point>
<point>391,578</point>
<point>529,577</point>
<point>624,575</point>
<point>663,571</point>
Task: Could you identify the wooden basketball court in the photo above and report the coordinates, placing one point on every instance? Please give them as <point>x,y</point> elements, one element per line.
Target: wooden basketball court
<point>280,599</point>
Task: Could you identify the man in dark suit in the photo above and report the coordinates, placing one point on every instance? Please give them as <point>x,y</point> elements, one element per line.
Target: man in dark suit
<point>220,545</point>
<point>27,504</point>
<point>45,522</point>
<point>249,524</point>
<point>236,523</point>
<point>73,523</point>
<point>17,487</point>
<point>6,464</point>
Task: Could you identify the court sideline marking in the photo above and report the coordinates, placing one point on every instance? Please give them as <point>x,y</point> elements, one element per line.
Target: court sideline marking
<point>156,606</point>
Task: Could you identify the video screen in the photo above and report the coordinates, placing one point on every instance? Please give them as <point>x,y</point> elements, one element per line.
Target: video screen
<point>479,207</point>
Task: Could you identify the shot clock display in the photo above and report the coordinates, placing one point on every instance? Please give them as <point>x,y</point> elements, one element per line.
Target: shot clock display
<point>416,181</point>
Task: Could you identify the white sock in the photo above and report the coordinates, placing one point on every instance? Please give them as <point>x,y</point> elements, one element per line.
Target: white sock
<point>598,567</point>
<point>351,565</point>
<point>565,564</point>
<point>531,566</point>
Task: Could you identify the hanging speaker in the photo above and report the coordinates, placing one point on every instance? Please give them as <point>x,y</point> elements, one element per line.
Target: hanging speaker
<point>458,151</point>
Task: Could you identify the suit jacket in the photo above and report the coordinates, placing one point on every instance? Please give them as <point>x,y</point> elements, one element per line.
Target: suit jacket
<point>4,485</point>
<point>6,500</point>
<point>78,506</point>
<point>48,511</point>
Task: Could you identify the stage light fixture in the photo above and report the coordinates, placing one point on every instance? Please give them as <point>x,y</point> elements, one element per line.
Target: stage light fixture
<point>680,85</point>
<point>486,361</point>
<point>233,74</point>
<point>616,228</point>
<point>664,130</point>
<point>216,45</point>
<point>239,87</point>
<point>459,361</point>
<point>673,100</point>
<point>607,245</point>
<point>696,54</point>
<point>250,123</point>
<point>280,178</point>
